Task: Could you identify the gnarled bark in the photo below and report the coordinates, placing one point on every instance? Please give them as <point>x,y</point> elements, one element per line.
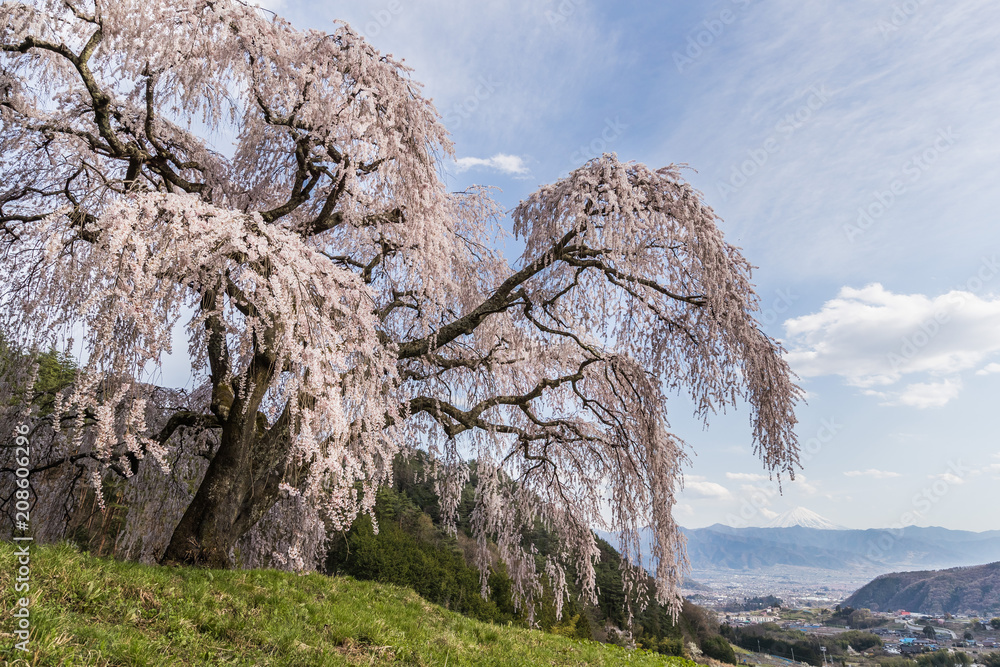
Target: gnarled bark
<point>239,487</point>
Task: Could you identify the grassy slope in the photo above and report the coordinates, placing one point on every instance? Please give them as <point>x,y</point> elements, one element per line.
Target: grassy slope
<point>90,611</point>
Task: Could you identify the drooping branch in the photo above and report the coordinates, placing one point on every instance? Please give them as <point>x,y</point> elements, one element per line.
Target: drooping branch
<point>502,298</point>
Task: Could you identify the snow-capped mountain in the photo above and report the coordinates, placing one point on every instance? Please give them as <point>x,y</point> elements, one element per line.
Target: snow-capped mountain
<point>800,516</point>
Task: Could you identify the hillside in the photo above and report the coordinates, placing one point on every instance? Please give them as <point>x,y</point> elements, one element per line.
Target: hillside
<point>100,612</point>
<point>412,553</point>
<point>412,549</point>
<point>961,590</point>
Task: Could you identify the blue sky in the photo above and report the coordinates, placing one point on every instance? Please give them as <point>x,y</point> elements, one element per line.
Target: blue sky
<point>852,150</point>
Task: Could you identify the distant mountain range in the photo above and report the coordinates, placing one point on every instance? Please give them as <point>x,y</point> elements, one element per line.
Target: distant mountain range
<point>875,551</point>
<point>801,551</point>
<point>962,590</point>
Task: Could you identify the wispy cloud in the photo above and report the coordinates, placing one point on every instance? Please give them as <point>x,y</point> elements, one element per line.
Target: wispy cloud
<point>802,484</point>
<point>747,476</point>
<point>540,74</point>
<point>989,369</point>
<point>875,122</point>
<point>707,489</point>
<point>950,478</point>
<point>506,164</point>
<point>872,472</point>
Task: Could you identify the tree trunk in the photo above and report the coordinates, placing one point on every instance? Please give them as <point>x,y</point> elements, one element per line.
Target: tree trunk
<point>239,487</point>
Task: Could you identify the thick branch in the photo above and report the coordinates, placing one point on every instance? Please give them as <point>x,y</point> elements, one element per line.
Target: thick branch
<point>186,419</point>
<point>502,299</point>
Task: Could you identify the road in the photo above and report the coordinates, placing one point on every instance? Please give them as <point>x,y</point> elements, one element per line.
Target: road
<point>914,628</point>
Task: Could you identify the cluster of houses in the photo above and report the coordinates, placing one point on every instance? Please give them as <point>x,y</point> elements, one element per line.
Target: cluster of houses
<point>749,618</point>
<point>908,641</point>
<point>902,643</point>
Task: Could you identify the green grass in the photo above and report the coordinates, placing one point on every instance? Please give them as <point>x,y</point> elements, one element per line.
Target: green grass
<point>95,612</point>
<point>798,615</point>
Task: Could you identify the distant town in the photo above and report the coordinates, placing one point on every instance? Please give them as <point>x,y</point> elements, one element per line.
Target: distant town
<point>857,636</point>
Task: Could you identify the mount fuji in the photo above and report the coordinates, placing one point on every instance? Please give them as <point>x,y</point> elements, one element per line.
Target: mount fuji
<point>800,516</point>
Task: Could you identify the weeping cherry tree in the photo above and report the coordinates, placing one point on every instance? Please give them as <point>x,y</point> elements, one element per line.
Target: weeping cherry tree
<point>340,305</point>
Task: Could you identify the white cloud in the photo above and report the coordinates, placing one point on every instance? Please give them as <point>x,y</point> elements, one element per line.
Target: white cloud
<point>758,496</point>
<point>800,483</point>
<point>949,477</point>
<point>768,514</point>
<point>874,337</point>
<point>507,164</point>
<point>747,476</point>
<point>989,369</point>
<point>707,489</point>
<point>924,395</point>
<point>756,488</point>
<point>872,472</point>
<point>684,509</point>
